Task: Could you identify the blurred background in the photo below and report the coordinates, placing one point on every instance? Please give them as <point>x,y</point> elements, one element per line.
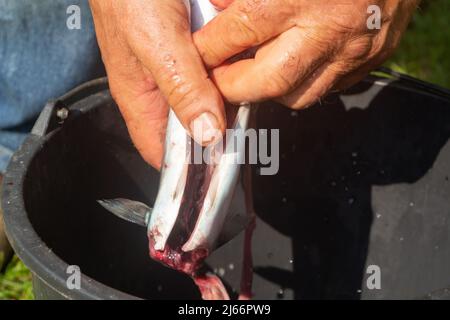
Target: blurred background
<point>424,53</point>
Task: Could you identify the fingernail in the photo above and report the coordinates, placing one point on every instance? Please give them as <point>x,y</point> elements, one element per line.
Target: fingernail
<point>205,129</point>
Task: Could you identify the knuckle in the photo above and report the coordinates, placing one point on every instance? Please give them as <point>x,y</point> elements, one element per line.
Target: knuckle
<point>343,67</point>
<point>354,20</point>
<point>277,84</point>
<point>242,32</point>
<point>208,52</point>
<point>182,96</point>
<point>382,57</point>
<point>382,48</point>
<point>386,18</point>
<point>377,47</point>
<point>252,9</point>
<point>358,48</point>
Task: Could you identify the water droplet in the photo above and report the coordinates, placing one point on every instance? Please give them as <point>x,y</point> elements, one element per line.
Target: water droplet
<point>231,266</point>
<point>333,183</point>
<point>354,163</point>
<point>354,154</point>
<point>411,204</point>
<point>358,173</point>
<point>401,239</point>
<point>436,247</point>
<point>294,114</point>
<point>280,293</point>
<point>284,200</point>
<point>221,272</point>
<point>351,201</point>
<point>378,216</point>
<point>291,261</point>
<point>359,290</point>
<point>160,288</point>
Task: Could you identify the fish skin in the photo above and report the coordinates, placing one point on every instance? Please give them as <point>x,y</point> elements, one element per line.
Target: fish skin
<point>174,170</point>
<point>214,212</point>
<point>216,205</point>
<point>172,183</point>
<point>224,211</point>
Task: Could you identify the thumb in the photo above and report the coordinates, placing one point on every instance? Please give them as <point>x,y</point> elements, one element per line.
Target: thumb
<point>165,47</point>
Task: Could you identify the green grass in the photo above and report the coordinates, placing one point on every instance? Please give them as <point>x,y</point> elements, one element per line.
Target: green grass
<point>424,53</point>
<point>15,283</point>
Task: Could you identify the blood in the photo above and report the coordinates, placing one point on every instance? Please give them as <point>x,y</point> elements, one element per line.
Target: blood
<point>211,287</point>
<point>247,265</point>
<point>175,258</point>
<point>191,263</point>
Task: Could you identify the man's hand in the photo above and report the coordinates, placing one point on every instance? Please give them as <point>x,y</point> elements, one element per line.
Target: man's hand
<point>305,48</point>
<point>151,63</point>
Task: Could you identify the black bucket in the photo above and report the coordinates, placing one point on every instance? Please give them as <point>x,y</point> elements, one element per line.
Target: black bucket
<point>363,191</point>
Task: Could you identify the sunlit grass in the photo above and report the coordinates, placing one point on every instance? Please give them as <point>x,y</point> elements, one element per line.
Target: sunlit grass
<point>425,49</point>
<point>15,283</point>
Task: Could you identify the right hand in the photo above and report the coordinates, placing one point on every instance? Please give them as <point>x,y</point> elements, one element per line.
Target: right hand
<point>152,63</point>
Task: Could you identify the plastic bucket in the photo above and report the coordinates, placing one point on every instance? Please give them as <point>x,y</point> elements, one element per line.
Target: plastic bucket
<point>363,181</point>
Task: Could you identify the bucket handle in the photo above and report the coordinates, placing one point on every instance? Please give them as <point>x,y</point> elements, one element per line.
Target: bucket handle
<point>56,111</point>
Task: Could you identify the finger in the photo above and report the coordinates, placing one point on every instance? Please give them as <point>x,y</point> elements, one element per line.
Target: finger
<point>353,78</point>
<point>141,104</point>
<point>313,88</point>
<point>244,24</point>
<point>145,112</point>
<point>278,67</point>
<point>361,72</point>
<point>342,66</point>
<point>164,45</point>
<point>373,61</point>
<point>221,4</point>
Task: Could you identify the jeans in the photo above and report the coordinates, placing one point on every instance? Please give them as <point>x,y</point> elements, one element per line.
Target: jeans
<point>40,58</point>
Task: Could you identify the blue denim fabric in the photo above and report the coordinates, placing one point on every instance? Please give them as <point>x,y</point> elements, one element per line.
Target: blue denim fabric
<point>40,59</point>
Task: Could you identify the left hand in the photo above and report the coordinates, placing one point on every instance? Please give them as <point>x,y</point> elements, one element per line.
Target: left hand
<point>305,48</point>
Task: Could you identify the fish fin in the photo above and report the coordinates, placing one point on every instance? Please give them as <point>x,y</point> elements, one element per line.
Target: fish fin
<point>129,210</point>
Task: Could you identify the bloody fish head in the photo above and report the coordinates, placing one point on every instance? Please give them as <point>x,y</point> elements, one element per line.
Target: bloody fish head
<point>199,206</point>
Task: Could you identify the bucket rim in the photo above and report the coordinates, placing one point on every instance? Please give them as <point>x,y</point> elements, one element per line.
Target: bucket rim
<point>27,244</point>
<point>41,260</point>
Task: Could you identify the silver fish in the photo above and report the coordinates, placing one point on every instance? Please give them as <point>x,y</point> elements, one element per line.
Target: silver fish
<point>199,206</point>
